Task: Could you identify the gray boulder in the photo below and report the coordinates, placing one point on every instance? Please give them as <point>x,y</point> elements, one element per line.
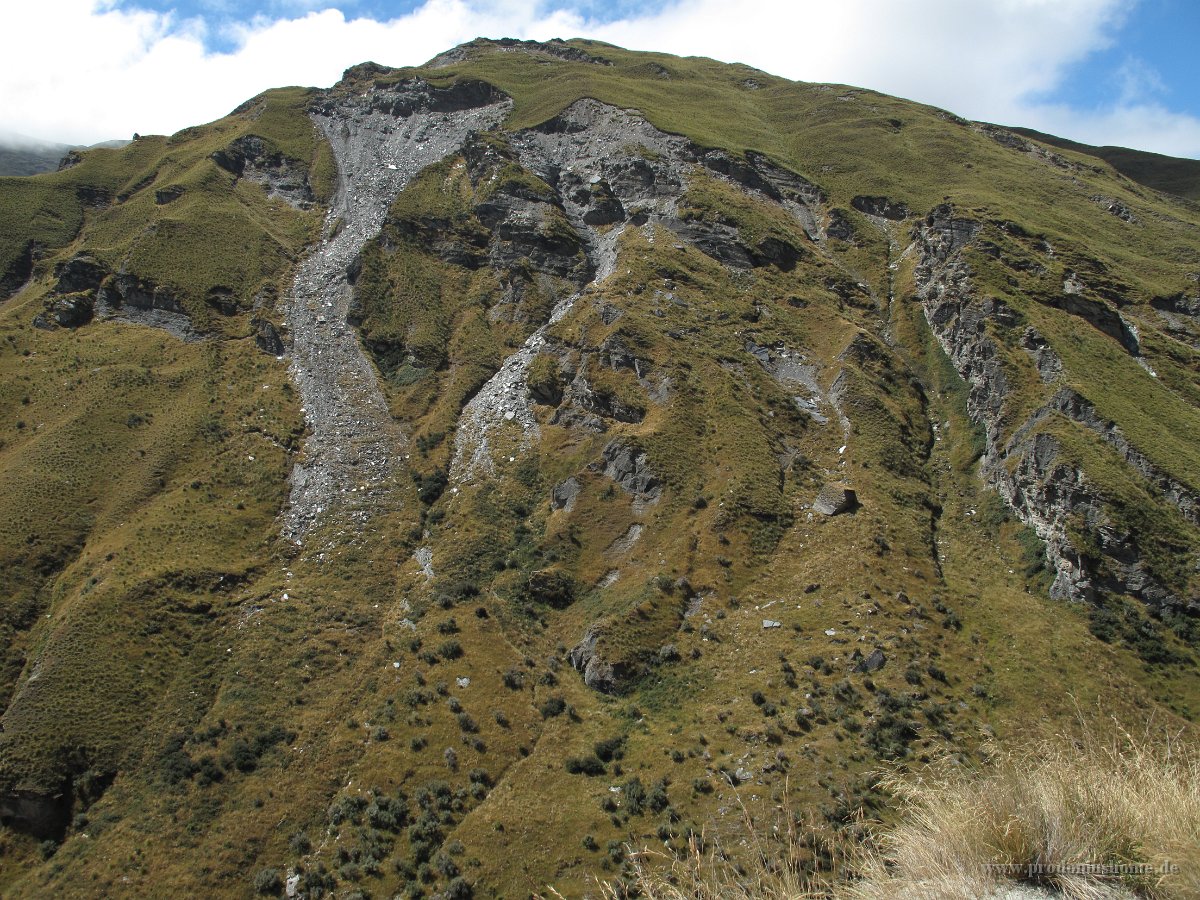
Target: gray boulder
<point>834,499</point>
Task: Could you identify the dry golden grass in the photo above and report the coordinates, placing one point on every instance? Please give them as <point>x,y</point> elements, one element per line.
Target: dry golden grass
<point>1063,804</point>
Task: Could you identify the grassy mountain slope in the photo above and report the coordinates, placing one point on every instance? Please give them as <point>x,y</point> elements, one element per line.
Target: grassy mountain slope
<point>1163,173</point>
<point>193,703</point>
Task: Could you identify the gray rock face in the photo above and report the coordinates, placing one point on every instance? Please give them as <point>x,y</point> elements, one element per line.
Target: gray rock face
<point>872,662</point>
<point>87,289</point>
<point>1048,363</point>
<point>132,299</point>
<point>267,338</point>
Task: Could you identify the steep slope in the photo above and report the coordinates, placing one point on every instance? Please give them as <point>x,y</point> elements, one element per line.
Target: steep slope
<point>674,433</point>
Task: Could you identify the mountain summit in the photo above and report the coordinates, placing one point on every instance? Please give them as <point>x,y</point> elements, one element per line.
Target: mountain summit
<point>433,484</point>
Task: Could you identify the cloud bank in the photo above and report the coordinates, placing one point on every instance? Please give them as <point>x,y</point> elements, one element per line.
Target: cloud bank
<point>86,70</point>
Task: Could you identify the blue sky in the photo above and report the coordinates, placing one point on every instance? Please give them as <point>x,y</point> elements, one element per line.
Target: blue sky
<point>1153,56</point>
<point>1100,71</point>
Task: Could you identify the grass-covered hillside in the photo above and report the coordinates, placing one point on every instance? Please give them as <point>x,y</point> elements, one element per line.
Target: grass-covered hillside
<point>744,438</point>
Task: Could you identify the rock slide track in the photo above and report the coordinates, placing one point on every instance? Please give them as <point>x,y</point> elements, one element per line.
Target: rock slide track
<point>381,140</point>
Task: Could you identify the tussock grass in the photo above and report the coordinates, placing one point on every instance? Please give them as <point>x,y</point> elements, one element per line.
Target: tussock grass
<point>1059,803</point>
<point>1039,814</point>
<point>791,861</point>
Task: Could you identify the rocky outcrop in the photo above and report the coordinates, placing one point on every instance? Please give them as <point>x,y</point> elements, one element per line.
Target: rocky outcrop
<point>17,273</point>
<point>78,274</point>
<point>87,289</point>
<point>38,813</point>
<point>267,338</point>
<point>1026,464</point>
<point>757,173</point>
<point>66,312</point>
<point>1180,316</point>
<point>629,467</point>
<point>1116,208</point>
<point>881,207</point>
<point>564,494</point>
<point>1099,315</point>
<point>138,300</point>
<point>600,192</point>
<point>555,48</point>
<point>169,194</point>
<point>254,159</point>
<point>792,371</point>
<point>598,673</point>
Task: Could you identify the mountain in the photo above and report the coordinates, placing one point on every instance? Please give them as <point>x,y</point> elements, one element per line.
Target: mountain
<point>436,484</point>
<point>20,155</point>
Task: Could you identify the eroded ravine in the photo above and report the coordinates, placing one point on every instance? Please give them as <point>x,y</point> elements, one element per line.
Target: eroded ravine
<point>353,443</point>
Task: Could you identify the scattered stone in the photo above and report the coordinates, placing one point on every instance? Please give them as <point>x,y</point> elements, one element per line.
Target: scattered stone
<point>770,623</point>
<point>424,558</point>
<point>872,662</point>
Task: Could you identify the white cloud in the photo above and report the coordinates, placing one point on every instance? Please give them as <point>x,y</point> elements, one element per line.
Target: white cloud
<point>84,70</point>
<point>1138,81</point>
<point>1146,126</point>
